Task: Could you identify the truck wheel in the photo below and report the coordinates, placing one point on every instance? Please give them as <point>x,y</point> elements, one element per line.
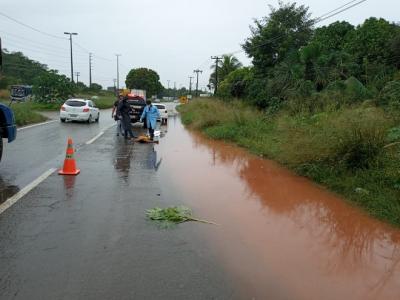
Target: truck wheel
<point>62,120</point>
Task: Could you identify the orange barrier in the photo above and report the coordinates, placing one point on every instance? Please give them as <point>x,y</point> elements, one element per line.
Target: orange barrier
<point>69,162</point>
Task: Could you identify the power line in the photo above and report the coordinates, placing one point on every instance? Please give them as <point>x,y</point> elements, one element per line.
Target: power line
<point>18,37</point>
<point>37,48</point>
<point>31,27</point>
<point>340,11</point>
<point>324,17</point>
<point>332,11</point>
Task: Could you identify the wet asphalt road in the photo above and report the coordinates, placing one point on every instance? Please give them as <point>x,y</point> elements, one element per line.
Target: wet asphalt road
<point>87,237</point>
<point>40,148</point>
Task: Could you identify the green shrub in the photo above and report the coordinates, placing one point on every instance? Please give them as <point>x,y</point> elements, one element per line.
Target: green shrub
<point>353,138</point>
<point>390,95</point>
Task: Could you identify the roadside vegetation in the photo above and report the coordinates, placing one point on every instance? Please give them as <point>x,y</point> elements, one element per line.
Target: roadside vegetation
<point>324,101</point>
<point>50,89</point>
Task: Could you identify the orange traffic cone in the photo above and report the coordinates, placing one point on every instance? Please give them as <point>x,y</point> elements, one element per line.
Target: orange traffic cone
<point>69,162</point>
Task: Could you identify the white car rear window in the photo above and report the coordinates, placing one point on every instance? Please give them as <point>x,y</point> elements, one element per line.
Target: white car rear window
<point>160,106</point>
<point>75,103</point>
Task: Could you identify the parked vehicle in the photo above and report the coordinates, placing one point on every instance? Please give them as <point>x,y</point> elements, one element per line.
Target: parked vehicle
<point>163,113</point>
<point>82,110</point>
<point>8,129</point>
<point>137,104</point>
<point>21,93</point>
<point>134,93</point>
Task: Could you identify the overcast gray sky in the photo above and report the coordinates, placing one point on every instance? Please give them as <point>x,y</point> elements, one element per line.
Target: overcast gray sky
<point>172,37</point>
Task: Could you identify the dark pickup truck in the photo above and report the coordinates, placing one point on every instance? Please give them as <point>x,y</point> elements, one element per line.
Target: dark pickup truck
<point>137,104</point>
<point>8,129</point>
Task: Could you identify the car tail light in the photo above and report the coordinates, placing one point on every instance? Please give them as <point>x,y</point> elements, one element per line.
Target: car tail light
<point>62,108</point>
<point>86,110</point>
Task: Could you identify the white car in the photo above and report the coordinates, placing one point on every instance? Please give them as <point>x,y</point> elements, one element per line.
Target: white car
<point>163,113</point>
<point>79,110</point>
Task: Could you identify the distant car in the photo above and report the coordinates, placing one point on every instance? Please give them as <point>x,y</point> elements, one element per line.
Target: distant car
<point>163,113</point>
<point>82,110</point>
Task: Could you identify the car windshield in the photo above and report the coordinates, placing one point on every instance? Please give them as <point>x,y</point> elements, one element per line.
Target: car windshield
<point>160,106</point>
<point>76,103</point>
<point>136,102</point>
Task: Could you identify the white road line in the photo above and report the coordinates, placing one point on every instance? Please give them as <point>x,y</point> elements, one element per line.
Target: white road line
<point>99,135</point>
<point>35,125</point>
<point>11,201</point>
<point>95,138</point>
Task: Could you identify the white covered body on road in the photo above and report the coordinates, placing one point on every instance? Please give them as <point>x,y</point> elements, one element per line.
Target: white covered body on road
<point>79,110</point>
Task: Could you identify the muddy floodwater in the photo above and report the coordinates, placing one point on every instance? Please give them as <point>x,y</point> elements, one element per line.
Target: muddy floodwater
<point>280,235</point>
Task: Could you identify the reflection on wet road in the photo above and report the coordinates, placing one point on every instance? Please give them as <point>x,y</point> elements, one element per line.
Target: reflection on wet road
<point>281,236</point>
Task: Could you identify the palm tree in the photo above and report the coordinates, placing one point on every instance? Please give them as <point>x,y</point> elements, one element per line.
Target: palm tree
<point>229,64</point>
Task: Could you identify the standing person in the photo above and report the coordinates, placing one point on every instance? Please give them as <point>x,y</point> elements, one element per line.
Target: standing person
<point>151,114</point>
<point>124,108</point>
<point>116,116</point>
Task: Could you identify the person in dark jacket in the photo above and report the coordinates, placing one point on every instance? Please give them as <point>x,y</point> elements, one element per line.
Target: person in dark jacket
<point>123,109</point>
<point>116,116</point>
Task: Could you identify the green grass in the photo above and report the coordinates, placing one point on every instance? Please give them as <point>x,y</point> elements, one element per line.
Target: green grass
<point>340,149</point>
<point>24,114</point>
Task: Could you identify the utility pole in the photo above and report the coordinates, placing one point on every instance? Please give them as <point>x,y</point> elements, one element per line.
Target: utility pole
<point>197,81</point>
<point>190,85</point>
<point>70,43</point>
<point>77,76</point>
<point>118,55</point>
<point>90,70</point>
<point>175,89</point>
<point>115,88</point>
<point>217,59</point>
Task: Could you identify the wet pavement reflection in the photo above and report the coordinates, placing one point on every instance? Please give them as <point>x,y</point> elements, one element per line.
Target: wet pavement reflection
<point>281,235</point>
<point>7,190</point>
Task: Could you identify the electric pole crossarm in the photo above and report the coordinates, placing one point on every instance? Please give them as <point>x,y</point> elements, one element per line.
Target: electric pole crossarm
<point>217,59</point>
<point>197,81</point>
<point>70,44</point>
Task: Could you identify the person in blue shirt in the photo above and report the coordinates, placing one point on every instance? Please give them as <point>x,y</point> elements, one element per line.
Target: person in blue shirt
<point>151,114</point>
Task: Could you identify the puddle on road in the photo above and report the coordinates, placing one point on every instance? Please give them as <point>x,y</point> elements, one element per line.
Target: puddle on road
<point>281,236</point>
<point>7,191</point>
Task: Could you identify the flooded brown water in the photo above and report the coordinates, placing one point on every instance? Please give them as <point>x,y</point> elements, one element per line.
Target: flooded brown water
<point>280,235</point>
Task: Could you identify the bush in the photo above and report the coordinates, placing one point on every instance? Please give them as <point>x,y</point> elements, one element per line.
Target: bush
<point>353,138</point>
<point>390,95</point>
<point>355,90</point>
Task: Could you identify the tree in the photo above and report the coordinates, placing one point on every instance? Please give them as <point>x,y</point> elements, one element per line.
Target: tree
<point>229,64</point>
<point>52,87</point>
<point>334,36</point>
<point>285,30</point>
<point>95,87</point>
<point>235,84</point>
<point>144,79</point>
<point>372,40</point>
<point>19,69</point>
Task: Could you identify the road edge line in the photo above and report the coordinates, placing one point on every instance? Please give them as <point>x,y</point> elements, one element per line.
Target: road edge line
<point>35,125</point>
<point>95,138</point>
<point>91,141</point>
<point>11,201</point>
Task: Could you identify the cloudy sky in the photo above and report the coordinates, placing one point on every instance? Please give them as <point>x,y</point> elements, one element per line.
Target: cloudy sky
<point>172,37</point>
